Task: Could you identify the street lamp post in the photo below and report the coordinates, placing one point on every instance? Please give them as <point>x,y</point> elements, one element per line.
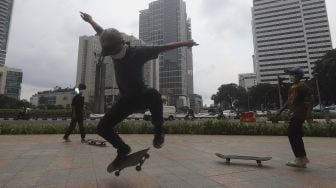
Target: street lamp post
<point>318,90</point>
<point>279,91</point>
<point>248,100</point>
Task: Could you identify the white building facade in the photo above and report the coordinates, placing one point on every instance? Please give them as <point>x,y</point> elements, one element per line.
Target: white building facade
<point>247,80</point>
<point>61,97</point>
<point>288,33</point>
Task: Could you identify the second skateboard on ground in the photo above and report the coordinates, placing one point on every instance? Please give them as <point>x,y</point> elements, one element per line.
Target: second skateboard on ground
<point>241,157</point>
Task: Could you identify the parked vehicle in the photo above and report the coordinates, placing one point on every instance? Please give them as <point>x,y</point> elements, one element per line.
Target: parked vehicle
<point>169,113</point>
<point>260,113</point>
<point>318,108</point>
<point>332,108</point>
<point>96,116</point>
<point>229,114</point>
<point>136,116</point>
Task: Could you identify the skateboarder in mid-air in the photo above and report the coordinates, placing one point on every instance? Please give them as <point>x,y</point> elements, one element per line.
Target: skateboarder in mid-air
<point>128,63</point>
<point>300,103</point>
<point>77,114</point>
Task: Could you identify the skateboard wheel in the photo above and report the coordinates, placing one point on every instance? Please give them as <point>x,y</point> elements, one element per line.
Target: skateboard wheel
<point>117,173</point>
<point>138,168</point>
<point>147,155</point>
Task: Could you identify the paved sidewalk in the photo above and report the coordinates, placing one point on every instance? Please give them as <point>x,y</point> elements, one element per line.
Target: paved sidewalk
<point>185,161</point>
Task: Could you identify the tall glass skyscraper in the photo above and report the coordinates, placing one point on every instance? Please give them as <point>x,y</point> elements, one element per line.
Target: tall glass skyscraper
<point>5,17</point>
<point>166,21</point>
<point>288,33</point>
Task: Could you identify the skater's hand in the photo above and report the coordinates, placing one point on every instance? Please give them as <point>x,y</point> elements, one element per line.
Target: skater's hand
<point>191,43</point>
<point>86,17</point>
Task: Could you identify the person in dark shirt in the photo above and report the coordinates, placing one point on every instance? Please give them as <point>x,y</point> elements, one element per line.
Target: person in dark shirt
<point>77,114</point>
<point>299,103</point>
<point>134,94</point>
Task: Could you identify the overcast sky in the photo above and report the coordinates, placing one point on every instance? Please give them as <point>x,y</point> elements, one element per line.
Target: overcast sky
<point>44,38</point>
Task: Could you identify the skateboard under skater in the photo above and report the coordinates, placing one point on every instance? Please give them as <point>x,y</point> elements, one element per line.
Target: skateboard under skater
<point>101,143</point>
<point>135,159</point>
<point>229,157</point>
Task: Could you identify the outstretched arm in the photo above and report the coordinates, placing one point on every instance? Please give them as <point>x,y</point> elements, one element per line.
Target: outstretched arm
<point>88,18</point>
<point>174,45</point>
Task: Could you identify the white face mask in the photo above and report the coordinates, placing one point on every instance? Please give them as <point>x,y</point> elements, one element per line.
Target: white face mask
<point>292,78</point>
<point>76,91</point>
<point>121,54</point>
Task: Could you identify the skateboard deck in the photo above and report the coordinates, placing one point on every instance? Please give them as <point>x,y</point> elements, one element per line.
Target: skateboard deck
<point>135,159</point>
<point>101,143</point>
<point>241,157</point>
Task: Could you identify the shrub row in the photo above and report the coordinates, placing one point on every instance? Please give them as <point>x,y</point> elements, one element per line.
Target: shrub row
<point>37,113</point>
<point>317,115</point>
<point>205,127</point>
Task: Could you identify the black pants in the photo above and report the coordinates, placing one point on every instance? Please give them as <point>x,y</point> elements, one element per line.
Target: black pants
<point>72,126</point>
<point>147,99</point>
<point>295,134</point>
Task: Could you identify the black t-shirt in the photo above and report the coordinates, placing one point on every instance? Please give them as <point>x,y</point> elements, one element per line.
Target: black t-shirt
<point>129,70</point>
<point>78,105</point>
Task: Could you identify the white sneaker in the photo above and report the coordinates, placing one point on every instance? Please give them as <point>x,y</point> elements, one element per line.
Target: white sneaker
<point>305,159</point>
<point>300,162</point>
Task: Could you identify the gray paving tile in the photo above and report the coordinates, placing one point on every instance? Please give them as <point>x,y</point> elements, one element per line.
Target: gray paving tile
<point>185,161</point>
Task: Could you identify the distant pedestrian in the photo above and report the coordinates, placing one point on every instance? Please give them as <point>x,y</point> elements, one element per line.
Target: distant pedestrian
<point>128,62</point>
<point>77,114</point>
<point>190,115</point>
<point>300,104</point>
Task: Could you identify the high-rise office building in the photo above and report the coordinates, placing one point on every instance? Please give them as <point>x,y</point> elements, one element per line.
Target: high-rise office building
<point>166,21</point>
<point>10,82</point>
<point>88,54</point>
<point>6,7</point>
<point>247,80</point>
<point>288,33</point>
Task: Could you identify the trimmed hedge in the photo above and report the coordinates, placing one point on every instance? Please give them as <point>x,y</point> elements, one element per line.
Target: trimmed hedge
<point>284,117</point>
<point>204,127</point>
<point>38,113</point>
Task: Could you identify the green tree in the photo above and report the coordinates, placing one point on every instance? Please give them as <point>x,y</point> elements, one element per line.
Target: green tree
<point>230,96</point>
<point>12,103</point>
<point>325,72</point>
<point>264,96</point>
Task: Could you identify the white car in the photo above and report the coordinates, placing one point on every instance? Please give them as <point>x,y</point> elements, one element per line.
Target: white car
<point>332,108</point>
<point>136,116</point>
<point>229,114</point>
<point>318,108</point>
<point>96,116</point>
<point>169,113</point>
<point>261,113</point>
